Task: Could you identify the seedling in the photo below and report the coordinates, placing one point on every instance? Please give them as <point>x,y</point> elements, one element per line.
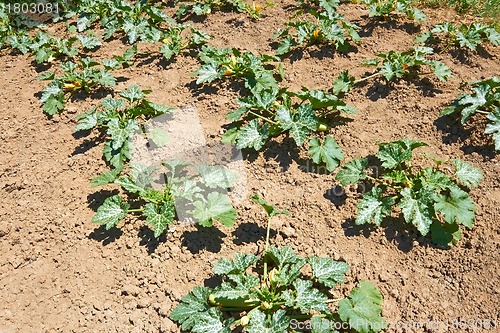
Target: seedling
<point>470,36</point>
<point>267,114</point>
<point>432,199</point>
<point>47,48</point>
<point>119,119</point>
<point>395,66</point>
<point>84,76</point>
<point>198,196</point>
<point>385,8</point>
<point>174,43</point>
<point>232,63</point>
<point>484,101</point>
<point>328,28</point>
<point>270,292</point>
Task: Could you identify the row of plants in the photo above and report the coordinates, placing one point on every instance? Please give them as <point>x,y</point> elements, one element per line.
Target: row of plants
<point>265,293</point>
<point>267,109</point>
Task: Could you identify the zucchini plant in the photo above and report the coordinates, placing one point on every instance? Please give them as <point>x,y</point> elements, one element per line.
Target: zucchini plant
<point>83,76</point>
<point>256,71</point>
<point>160,195</point>
<point>273,293</point>
<point>328,27</point>
<point>393,66</point>
<point>385,8</point>
<point>450,35</point>
<point>269,113</point>
<point>119,119</point>
<point>138,20</point>
<point>484,101</point>
<point>433,199</point>
<point>174,42</point>
<point>47,48</point>
<point>205,7</point>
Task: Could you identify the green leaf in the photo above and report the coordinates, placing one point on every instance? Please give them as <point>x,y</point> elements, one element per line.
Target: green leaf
<point>112,211</point>
<point>159,217</point>
<point>299,124</point>
<point>353,172</point>
<point>305,297</point>
<point>441,71</point>
<point>445,234</point>
<point>494,128</point>
<point>283,255</point>
<point>121,131</point>
<point>106,177</point>
<point>86,121</point>
<point>88,42</point>
<point>106,79</point>
<point>207,73</point>
<point>51,90</point>
<point>211,322</point>
<point>343,83</point>
<point>285,45</point>
<point>216,176</point>
<point>159,136</point>
<point>392,154</point>
<point>129,185</point>
<point>216,207</point>
<point>269,208</point>
<point>471,103</point>
<point>279,322</point>
<point>54,104</point>
<point>133,93</point>
<point>362,308</point>
<point>230,135</point>
<point>188,310</point>
<point>467,174</point>
<point>328,271</point>
<point>417,208</point>
<point>252,136</point>
<point>237,266</point>
<point>262,80</point>
<point>328,152</point>
<point>373,207</point>
<point>457,207</point>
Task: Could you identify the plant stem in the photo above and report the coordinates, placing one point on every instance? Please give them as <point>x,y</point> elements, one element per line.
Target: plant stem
<point>138,210</point>
<point>305,316</point>
<point>482,112</point>
<point>332,300</point>
<point>268,232</point>
<point>368,77</point>
<point>263,118</point>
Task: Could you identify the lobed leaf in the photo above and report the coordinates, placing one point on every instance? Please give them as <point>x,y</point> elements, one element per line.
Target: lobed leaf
<point>328,271</point>
<point>373,207</point>
<point>362,308</point>
<point>112,211</point>
<point>466,173</point>
<point>353,172</point>
<point>328,152</point>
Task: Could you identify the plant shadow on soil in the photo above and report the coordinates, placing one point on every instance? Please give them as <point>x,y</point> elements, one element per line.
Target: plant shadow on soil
<point>389,23</point>
<point>209,239</point>
<point>454,132</point>
<point>395,230</point>
<point>380,88</point>
<point>250,233</point>
<point>88,143</point>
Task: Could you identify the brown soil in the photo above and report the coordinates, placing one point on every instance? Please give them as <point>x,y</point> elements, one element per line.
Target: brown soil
<point>59,273</point>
